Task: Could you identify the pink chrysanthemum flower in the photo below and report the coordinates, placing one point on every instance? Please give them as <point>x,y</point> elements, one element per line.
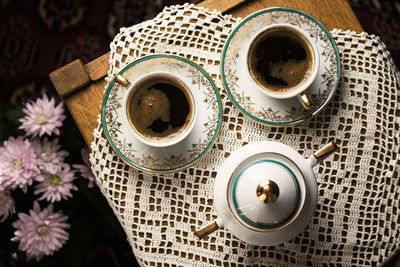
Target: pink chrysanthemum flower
<point>41,232</point>
<point>19,164</point>
<point>58,185</point>
<point>7,205</point>
<point>42,117</point>
<point>50,154</point>
<point>84,169</point>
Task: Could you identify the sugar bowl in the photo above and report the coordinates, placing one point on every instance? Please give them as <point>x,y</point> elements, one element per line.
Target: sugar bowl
<point>265,193</point>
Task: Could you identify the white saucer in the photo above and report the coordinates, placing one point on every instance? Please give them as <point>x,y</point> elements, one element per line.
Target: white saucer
<point>163,159</point>
<point>251,101</point>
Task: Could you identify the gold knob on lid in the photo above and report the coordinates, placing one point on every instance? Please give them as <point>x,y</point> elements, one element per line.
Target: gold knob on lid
<point>267,191</point>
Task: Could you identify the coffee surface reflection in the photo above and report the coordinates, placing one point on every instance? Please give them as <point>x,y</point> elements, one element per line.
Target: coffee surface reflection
<point>280,59</point>
<point>160,109</point>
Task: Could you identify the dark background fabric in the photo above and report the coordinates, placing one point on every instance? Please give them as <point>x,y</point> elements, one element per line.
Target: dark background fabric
<point>37,37</point>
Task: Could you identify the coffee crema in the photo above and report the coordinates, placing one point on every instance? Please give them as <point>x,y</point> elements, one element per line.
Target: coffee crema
<point>160,109</point>
<point>280,60</point>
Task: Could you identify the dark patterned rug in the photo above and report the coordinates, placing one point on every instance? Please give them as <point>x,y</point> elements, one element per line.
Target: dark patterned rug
<point>381,18</point>
<point>37,37</point>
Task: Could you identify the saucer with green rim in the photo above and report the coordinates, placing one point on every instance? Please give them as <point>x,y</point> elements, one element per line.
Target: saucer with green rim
<point>172,158</point>
<point>260,107</point>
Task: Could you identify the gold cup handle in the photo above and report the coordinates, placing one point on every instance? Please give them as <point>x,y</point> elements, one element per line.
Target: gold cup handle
<point>305,101</point>
<point>325,151</point>
<point>206,230</point>
<point>121,80</point>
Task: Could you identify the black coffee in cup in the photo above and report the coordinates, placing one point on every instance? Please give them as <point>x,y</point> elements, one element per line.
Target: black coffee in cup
<point>160,108</point>
<point>280,59</point>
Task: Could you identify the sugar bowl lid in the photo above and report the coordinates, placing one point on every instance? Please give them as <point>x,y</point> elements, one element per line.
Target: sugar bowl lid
<point>266,191</point>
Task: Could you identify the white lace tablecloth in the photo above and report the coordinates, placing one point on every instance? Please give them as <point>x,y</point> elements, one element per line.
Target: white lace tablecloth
<point>358,214</point>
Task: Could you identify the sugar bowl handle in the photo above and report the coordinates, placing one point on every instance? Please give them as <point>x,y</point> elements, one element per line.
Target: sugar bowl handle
<point>206,230</point>
<point>325,151</point>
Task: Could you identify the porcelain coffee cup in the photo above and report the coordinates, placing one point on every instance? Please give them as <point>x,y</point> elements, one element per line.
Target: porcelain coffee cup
<point>283,62</point>
<point>160,109</point>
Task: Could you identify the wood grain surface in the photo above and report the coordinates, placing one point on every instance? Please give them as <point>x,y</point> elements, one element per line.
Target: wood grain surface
<point>84,98</point>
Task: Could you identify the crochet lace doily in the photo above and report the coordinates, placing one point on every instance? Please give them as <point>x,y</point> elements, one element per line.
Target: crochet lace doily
<point>357,218</point>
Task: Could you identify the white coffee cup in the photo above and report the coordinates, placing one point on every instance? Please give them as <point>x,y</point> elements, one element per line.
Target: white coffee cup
<point>160,109</point>
<point>283,53</point>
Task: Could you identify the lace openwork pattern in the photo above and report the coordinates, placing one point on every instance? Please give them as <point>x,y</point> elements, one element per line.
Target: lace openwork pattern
<point>357,218</point>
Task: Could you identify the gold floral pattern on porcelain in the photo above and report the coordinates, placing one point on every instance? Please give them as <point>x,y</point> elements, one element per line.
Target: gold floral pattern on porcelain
<point>262,108</point>
<point>176,157</point>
